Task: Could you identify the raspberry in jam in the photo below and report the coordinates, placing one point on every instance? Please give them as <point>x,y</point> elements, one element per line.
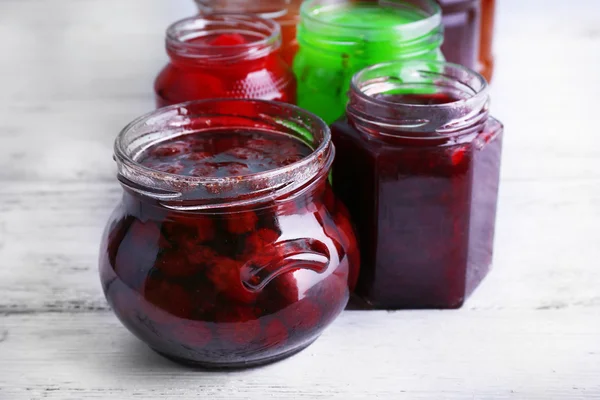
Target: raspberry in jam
<point>228,248</point>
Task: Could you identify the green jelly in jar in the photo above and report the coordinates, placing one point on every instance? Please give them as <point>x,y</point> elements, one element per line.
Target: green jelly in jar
<point>338,38</point>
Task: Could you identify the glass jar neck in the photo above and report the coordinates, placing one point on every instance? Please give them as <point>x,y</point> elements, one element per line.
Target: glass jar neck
<point>221,38</point>
<point>281,10</point>
<point>426,101</point>
<point>364,29</point>
<point>181,192</point>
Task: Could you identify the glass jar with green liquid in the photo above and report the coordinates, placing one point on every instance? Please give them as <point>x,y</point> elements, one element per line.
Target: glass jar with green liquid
<point>338,38</point>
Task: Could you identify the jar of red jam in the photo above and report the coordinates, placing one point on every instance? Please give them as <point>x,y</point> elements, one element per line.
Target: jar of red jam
<point>418,167</point>
<point>284,12</point>
<point>224,56</point>
<point>228,248</point>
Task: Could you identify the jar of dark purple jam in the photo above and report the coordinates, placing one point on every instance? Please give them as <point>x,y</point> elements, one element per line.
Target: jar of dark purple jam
<point>228,248</point>
<point>418,166</point>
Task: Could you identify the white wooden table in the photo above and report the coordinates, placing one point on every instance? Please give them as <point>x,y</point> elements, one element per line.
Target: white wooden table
<point>73,72</point>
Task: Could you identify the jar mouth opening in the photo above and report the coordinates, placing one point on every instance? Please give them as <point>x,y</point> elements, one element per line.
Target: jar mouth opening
<point>269,9</point>
<point>381,92</point>
<point>263,36</point>
<point>429,10</point>
<point>211,116</point>
<point>419,77</point>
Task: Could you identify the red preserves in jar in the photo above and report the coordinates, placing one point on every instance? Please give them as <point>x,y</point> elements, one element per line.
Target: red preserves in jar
<point>228,248</point>
<point>418,167</point>
<point>224,56</point>
<point>285,12</point>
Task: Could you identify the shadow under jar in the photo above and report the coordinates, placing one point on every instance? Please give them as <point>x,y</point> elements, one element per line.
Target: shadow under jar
<point>284,12</point>
<point>224,56</point>
<point>418,166</point>
<point>228,248</point>
<point>338,38</point>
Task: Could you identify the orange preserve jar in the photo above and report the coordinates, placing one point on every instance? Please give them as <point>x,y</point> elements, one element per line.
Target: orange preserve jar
<point>285,12</point>
<point>486,55</point>
<point>224,56</point>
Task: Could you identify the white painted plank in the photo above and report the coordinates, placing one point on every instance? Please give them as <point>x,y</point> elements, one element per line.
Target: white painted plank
<point>548,354</point>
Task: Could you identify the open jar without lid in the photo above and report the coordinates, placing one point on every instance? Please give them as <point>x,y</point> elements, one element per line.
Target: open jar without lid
<point>228,248</point>
<point>338,38</point>
<point>224,56</point>
<point>418,166</point>
<point>285,12</point>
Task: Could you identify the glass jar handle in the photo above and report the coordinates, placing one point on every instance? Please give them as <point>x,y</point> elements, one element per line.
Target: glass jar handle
<point>282,257</point>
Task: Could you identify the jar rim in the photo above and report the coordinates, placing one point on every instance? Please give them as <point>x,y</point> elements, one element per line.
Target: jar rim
<point>412,39</point>
<point>269,9</point>
<point>213,192</point>
<point>178,36</point>
<point>435,14</point>
<point>446,119</point>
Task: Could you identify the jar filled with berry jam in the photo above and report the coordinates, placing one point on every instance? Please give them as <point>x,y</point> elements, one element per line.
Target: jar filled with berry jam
<point>285,12</point>
<point>338,38</point>
<point>224,56</point>
<point>418,167</point>
<point>228,248</point>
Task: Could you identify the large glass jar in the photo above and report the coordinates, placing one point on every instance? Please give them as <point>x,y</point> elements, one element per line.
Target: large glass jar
<point>338,38</point>
<point>213,263</point>
<point>285,12</point>
<point>418,167</point>
<point>224,56</point>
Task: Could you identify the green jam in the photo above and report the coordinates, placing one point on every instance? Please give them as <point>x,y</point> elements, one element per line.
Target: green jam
<point>339,38</point>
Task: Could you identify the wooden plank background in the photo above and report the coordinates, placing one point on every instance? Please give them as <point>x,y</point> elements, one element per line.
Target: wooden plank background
<point>74,72</point>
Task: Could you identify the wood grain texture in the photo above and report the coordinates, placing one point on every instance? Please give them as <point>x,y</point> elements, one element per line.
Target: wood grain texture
<point>74,72</point>
<point>552,354</point>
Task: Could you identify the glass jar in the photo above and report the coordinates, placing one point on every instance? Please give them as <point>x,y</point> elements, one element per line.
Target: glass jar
<point>226,270</point>
<point>418,167</point>
<point>224,56</point>
<point>338,38</point>
<point>461,20</point>
<point>486,55</point>
<point>285,12</point>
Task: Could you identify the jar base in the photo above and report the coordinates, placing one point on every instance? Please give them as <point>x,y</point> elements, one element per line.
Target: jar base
<point>234,365</point>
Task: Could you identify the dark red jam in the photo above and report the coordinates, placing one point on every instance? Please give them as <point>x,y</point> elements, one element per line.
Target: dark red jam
<point>218,56</point>
<point>424,208</point>
<point>225,153</point>
<point>233,286</point>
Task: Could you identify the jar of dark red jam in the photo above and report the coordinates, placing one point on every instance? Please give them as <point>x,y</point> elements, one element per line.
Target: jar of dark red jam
<point>228,248</point>
<point>418,167</point>
<point>224,56</point>
<point>285,12</point>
